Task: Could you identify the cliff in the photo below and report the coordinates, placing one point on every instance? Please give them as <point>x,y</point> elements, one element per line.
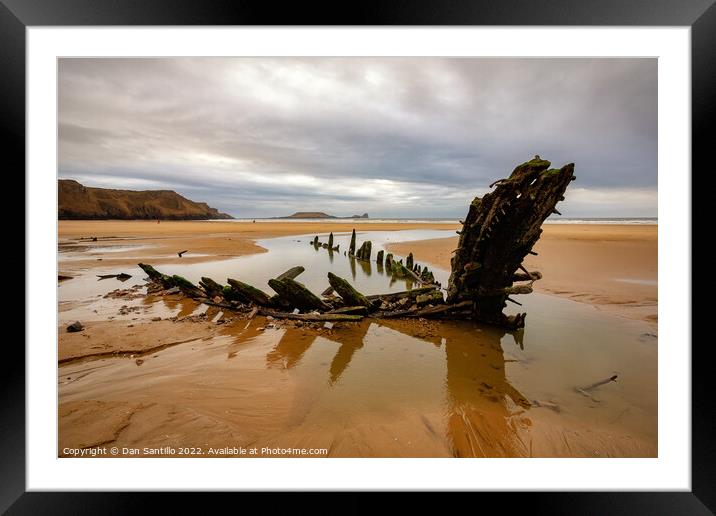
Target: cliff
<point>76,201</point>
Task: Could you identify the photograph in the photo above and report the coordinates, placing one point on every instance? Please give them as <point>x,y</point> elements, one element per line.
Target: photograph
<point>357,257</point>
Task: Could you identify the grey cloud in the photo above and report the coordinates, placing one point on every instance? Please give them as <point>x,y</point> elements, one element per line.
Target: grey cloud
<point>244,133</point>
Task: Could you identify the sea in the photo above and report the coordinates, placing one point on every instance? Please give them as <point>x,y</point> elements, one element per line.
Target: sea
<point>560,220</point>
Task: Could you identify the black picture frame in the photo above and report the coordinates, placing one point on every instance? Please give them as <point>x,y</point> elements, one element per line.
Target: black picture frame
<point>700,15</point>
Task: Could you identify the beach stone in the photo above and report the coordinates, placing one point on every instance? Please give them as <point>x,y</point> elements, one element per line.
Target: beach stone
<point>75,327</point>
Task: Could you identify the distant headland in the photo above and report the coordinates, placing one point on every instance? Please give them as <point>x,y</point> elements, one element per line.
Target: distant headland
<point>319,215</point>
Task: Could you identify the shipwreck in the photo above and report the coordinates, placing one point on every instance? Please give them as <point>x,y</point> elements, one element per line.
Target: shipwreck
<point>499,231</point>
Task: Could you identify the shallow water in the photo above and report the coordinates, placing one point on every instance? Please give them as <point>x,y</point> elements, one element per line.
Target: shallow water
<point>286,252</point>
<point>283,253</point>
<point>379,388</point>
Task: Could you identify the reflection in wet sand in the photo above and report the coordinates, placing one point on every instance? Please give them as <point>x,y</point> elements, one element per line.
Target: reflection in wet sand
<point>183,306</point>
<point>482,406</point>
<point>289,351</point>
<point>366,267</point>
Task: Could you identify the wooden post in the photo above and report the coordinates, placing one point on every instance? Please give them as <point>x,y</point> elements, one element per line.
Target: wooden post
<point>352,248</point>
<point>291,273</point>
<point>344,289</point>
<point>249,292</point>
<point>297,295</point>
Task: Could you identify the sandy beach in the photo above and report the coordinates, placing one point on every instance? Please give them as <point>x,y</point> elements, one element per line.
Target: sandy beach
<point>165,370</point>
<point>613,267</point>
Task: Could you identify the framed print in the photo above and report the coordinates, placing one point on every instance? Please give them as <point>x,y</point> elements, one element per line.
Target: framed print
<point>426,249</point>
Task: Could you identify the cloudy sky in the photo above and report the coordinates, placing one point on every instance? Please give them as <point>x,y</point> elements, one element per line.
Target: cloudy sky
<point>394,137</point>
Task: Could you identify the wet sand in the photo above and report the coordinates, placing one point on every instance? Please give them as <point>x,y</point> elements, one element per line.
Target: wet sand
<point>613,267</point>
<point>163,371</point>
<point>370,389</point>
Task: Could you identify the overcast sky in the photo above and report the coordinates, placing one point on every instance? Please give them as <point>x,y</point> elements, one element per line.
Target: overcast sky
<point>394,137</point>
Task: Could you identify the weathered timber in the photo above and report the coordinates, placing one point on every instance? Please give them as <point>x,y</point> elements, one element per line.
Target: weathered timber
<point>122,276</point>
<point>291,273</point>
<point>315,241</point>
<point>352,247</point>
<point>155,275</point>
<point>180,253</point>
<point>310,317</point>
<point>364,251</point>
<point>231,294</point>
<point>532,276</point>
<point>187,286</point>
<point>226,306</point>
<point>330,241</point>
<point>499,231</point>
<point>379,257</point>
<point>517,289</point>
<point>417,277</point>
<point>427,276</point>
<point>399,270</point>
<point>344,289</point>
<point>588,388</point>
<point>435,311</point>
<point>389,261</point>
<point>297,295</point>
<point>211,287</point>
<point>409,261</point>
<point>277,301</point>
<point>433,297</point>
<point>352,310</point>
<point>394,296</point>
<point>327,292</point>
<point>249,292</point>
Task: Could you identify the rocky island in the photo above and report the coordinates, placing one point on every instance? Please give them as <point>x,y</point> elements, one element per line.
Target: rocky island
<point>319,215</point>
